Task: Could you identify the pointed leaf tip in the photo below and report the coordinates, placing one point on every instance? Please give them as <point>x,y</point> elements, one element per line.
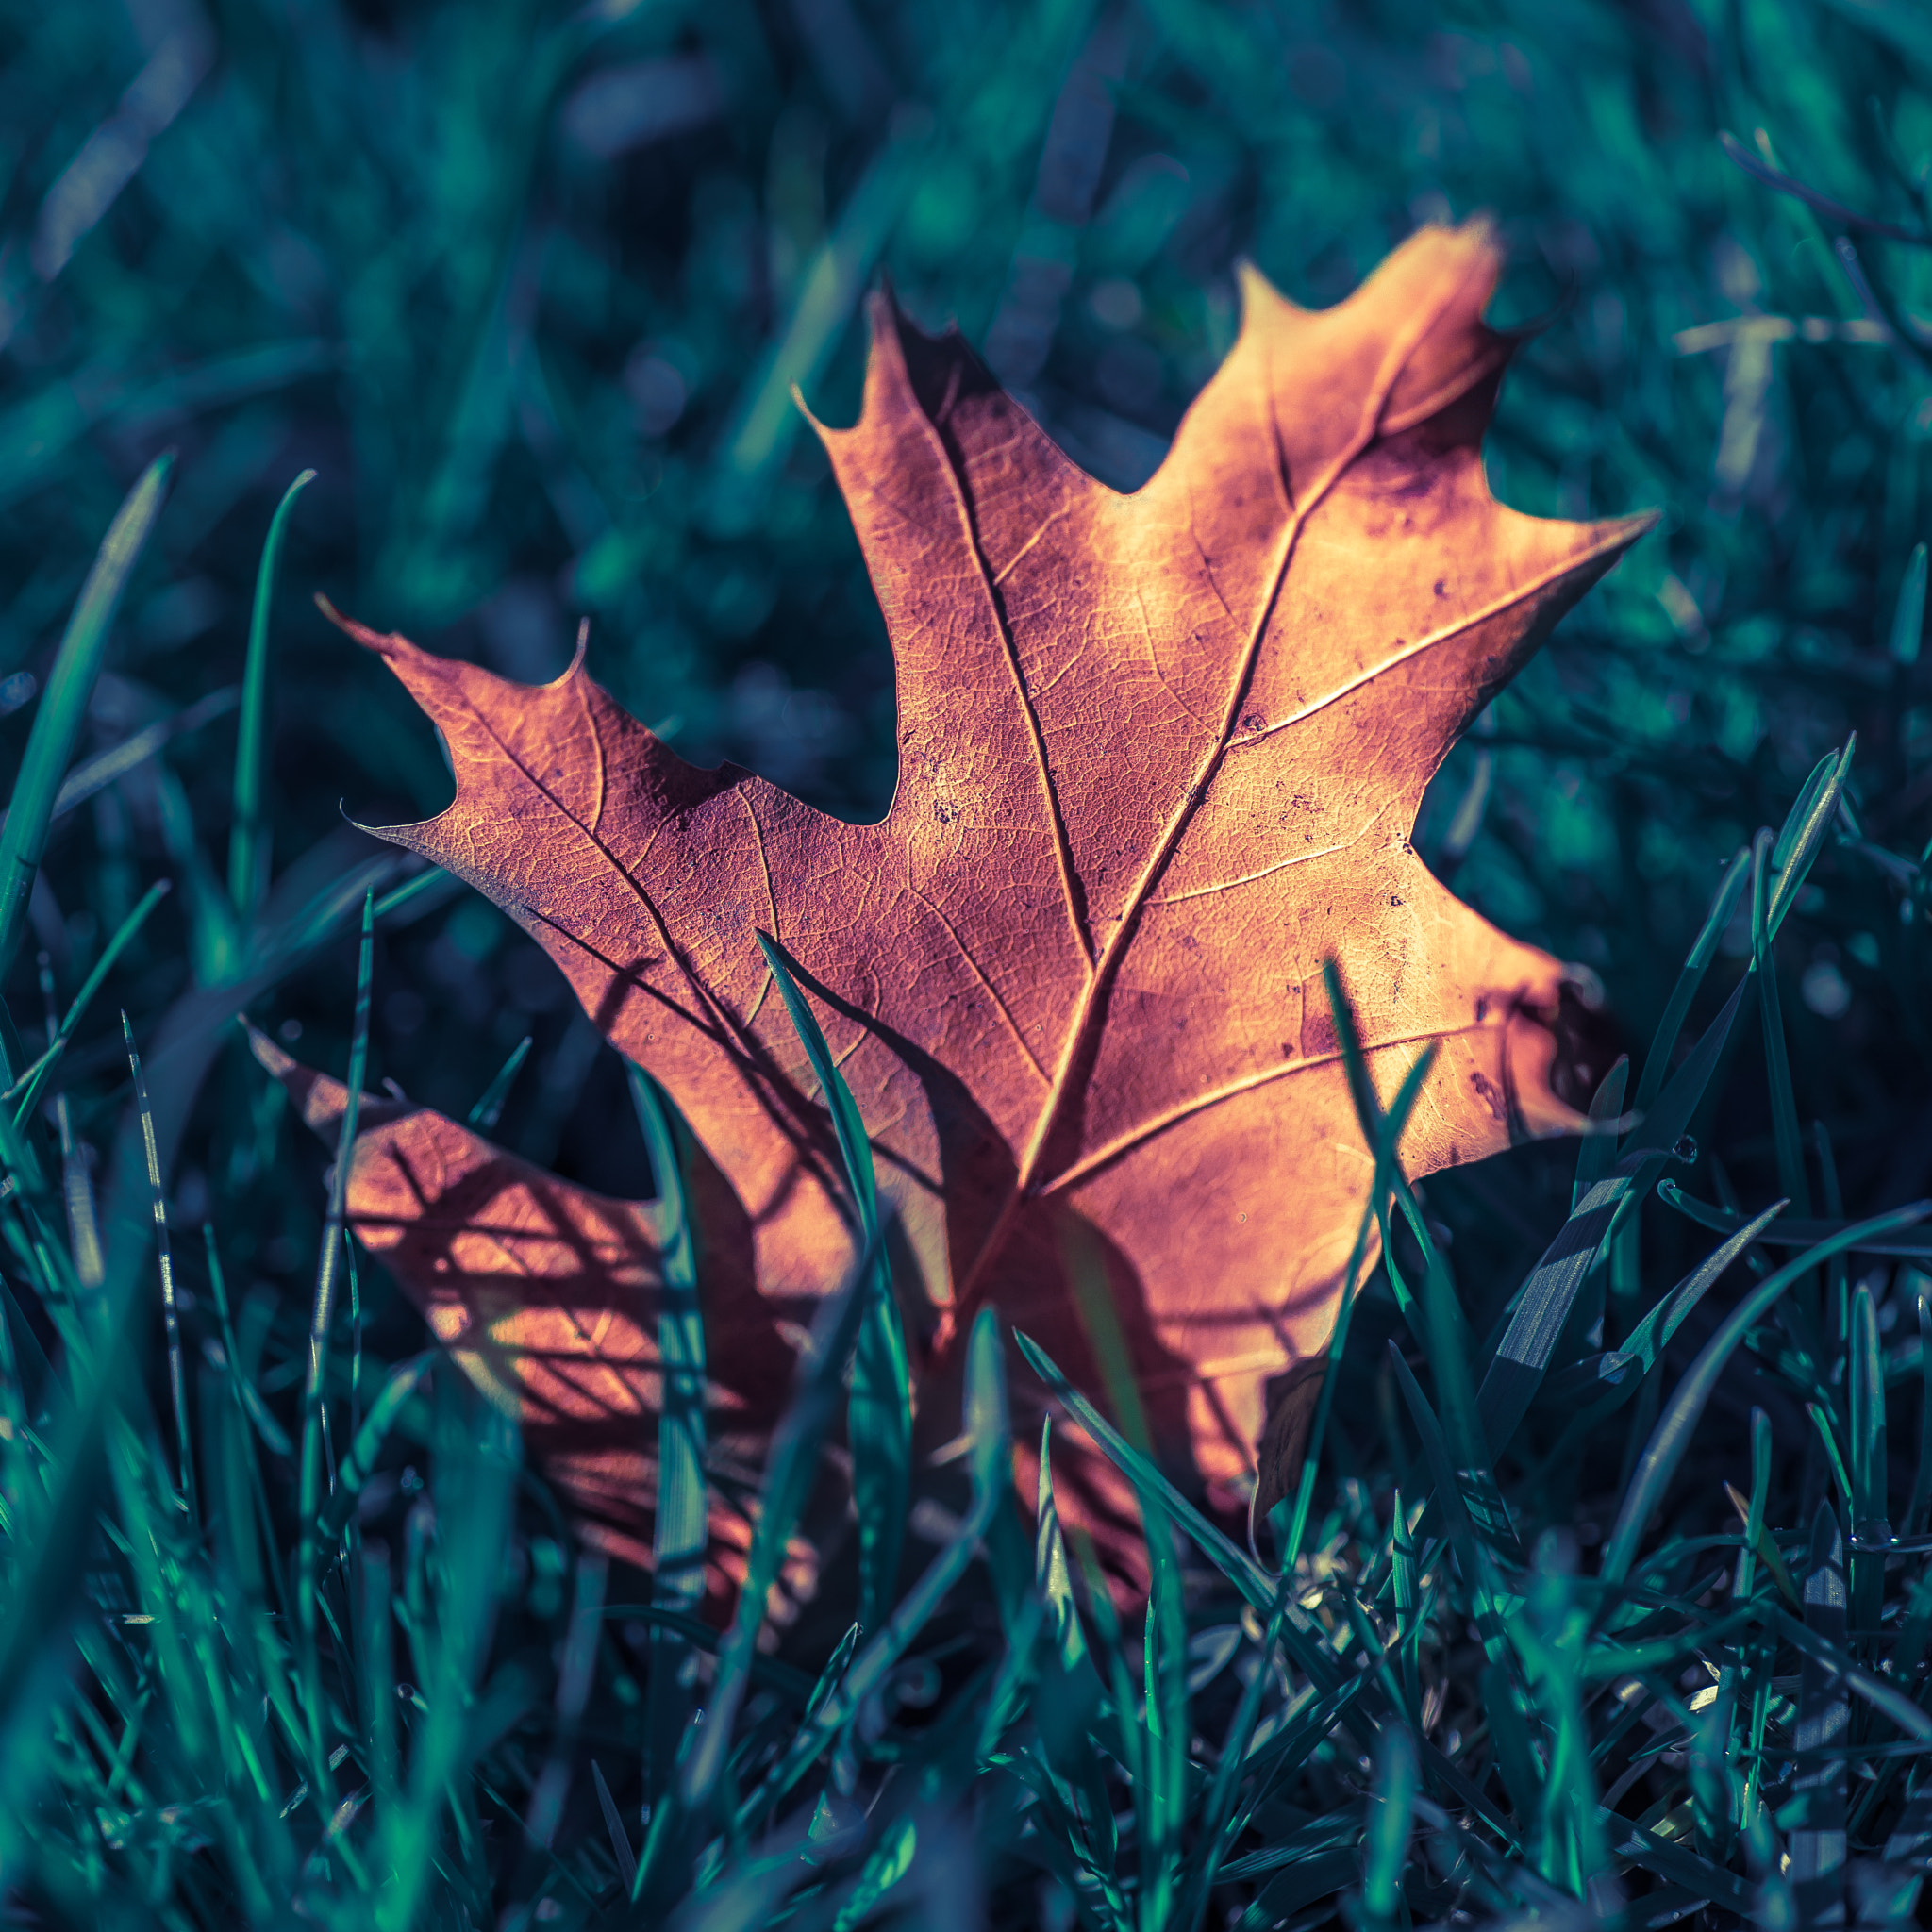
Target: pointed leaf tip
<point>389,645</point>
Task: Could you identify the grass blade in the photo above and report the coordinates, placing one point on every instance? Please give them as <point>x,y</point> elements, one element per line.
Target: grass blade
<point>1908,617</point>
<point>377,1658</point>
<point>613,1823</point>
<point>680,1530</point>
<point>987,1422</point>
<point>1647,1341</point>
<point>64,703</point>
<point>246,1395</point>
<point>1656,1062</point>
<point>1818,1841</point>
<point>1791,831</point>
<point>248,842</point>
<point>1383,1133</point>
<point>425,891</point>
<point>1792,1178</point>
<point>96,774</point>
<point>1922,1475</point>
<point>1596,1153</point>
<point>1443,1333</point>
<point>1239,1568</point>
<point>880,1414</point>
<point>1542,1305</point>
<point>1385,1844</point>
<point>30,1083</point>
<point>1448,1490</point>
<point>177,1385</point>
<point>679,1540</point>
<point>489,1107</point>
<point>398,1387</point>
<point>1803,835</point>
<point>321,1317</point>
<point>1908,1852</point>
<point>473,1479</point>
<point>1671,1437</point>
<point>1788,1231</point>
<point>1214,1837</point>
<point>1235,1564</point>
<point>1868,1460</point>
<point>1053,1579</point>
<point>791,1469</point>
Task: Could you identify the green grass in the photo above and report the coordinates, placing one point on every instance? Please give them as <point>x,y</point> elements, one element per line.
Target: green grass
<point>1530,1657</point>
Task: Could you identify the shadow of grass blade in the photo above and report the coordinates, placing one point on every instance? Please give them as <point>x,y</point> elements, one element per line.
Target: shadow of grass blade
<point>1100,1324</point>
<point>881,1412</point>
<point>64,704</point>
<point>248,841</point>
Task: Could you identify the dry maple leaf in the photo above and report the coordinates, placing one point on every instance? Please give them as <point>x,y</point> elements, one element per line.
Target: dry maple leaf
<point>1159,756</point>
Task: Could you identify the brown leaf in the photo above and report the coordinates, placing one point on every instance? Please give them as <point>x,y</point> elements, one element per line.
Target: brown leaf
<point>1158,755</point>
<point>546,1295</point>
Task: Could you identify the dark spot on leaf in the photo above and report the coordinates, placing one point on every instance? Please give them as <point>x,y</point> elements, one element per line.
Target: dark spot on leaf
<point>1252,720</point>
<point>1491,1095</point>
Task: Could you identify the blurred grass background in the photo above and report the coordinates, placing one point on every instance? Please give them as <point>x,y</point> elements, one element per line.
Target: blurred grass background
<point>529,286</point>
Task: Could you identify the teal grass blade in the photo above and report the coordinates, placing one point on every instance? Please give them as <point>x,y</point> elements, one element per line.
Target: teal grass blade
<point>880,1414</point>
